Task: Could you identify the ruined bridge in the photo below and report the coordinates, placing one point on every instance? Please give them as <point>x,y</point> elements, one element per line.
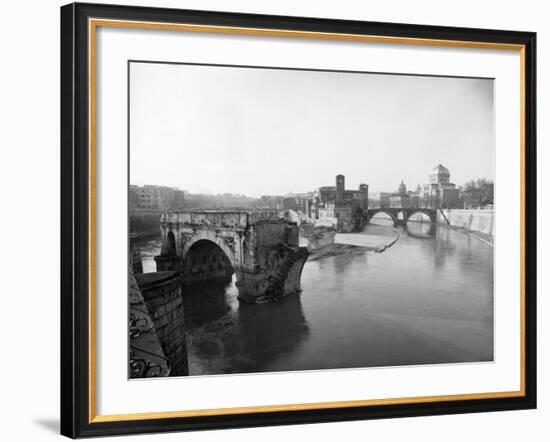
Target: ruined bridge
<point>400,215</point>
<point>262,250</point>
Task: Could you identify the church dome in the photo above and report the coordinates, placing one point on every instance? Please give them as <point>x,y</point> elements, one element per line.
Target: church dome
<point>440,170</point>
<point>402,189</point>
<point>440,174</point>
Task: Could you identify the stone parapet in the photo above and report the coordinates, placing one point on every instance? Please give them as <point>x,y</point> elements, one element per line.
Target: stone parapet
<point>146,356</point>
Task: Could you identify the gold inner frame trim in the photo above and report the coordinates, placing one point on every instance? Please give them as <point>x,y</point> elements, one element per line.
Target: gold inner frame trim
<point>93,24</point>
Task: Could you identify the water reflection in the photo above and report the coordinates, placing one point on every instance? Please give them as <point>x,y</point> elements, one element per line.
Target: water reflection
<point>420,230</point>
<point>271,331</point>
<point>341,263</point>
<point>421,301</point>
<point>227,336</point>
<point>204,303</point>
<point>382,219</point>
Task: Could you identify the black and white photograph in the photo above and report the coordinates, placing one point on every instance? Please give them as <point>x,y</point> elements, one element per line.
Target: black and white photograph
<point>295,219</point>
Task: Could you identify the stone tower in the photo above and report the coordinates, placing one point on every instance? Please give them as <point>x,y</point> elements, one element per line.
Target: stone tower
<point>402,189</point>
<point>364,191</point>
<point>340,187</point>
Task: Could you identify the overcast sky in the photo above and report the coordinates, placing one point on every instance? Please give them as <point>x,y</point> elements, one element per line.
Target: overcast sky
<point>213,129</point>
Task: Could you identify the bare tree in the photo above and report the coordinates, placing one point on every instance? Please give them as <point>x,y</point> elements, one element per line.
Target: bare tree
<point>478,193</point>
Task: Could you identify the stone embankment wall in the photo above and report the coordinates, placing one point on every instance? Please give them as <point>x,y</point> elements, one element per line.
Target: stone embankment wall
<point>478,220</point>
<point>163,298</point>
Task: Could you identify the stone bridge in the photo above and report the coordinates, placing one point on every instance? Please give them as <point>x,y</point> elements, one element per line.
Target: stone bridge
<point>262,250</point>
<point>400,215</point>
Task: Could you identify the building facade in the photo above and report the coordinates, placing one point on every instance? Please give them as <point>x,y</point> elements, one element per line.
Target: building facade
<point>299,202</point>
<point>379,200</point>
<point>439,193</point>
<point>336,214</point>
<point>400,199</point>
<point>335,205</point>
<point>356,198</point>
<point>156,197</point>
<point>273,202</point>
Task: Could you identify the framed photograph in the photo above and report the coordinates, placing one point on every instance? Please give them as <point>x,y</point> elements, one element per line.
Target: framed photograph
<point>274,220</point>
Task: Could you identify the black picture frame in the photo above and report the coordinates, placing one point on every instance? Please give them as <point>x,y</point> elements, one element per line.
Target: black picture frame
<point>76,418</point>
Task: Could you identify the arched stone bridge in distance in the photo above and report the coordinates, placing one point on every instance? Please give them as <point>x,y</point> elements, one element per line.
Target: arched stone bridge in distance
<point>400,216</point>
<point>262,250</point>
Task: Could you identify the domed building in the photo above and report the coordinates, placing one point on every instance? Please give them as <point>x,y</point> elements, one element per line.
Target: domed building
<point>440,175</point>
<point>401,198</point>
<point>402,188</point>
<point>440,193</point>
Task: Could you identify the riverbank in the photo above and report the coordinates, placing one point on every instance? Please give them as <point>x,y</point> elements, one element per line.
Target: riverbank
<point>373,237</point>
<point>325,242</point>
<point>481,236</point>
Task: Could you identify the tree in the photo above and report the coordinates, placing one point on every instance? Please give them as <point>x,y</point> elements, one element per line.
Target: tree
<point>478,193</point>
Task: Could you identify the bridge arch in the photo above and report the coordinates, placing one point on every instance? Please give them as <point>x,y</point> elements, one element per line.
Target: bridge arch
<point>428,213</point>
<point>171,244</point>
<point>206,258</point>
<point>375,212</point>
<point>206,236</point>
<point>428,234</point>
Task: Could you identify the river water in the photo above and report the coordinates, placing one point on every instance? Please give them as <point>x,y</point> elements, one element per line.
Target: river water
<point>427,299</point>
